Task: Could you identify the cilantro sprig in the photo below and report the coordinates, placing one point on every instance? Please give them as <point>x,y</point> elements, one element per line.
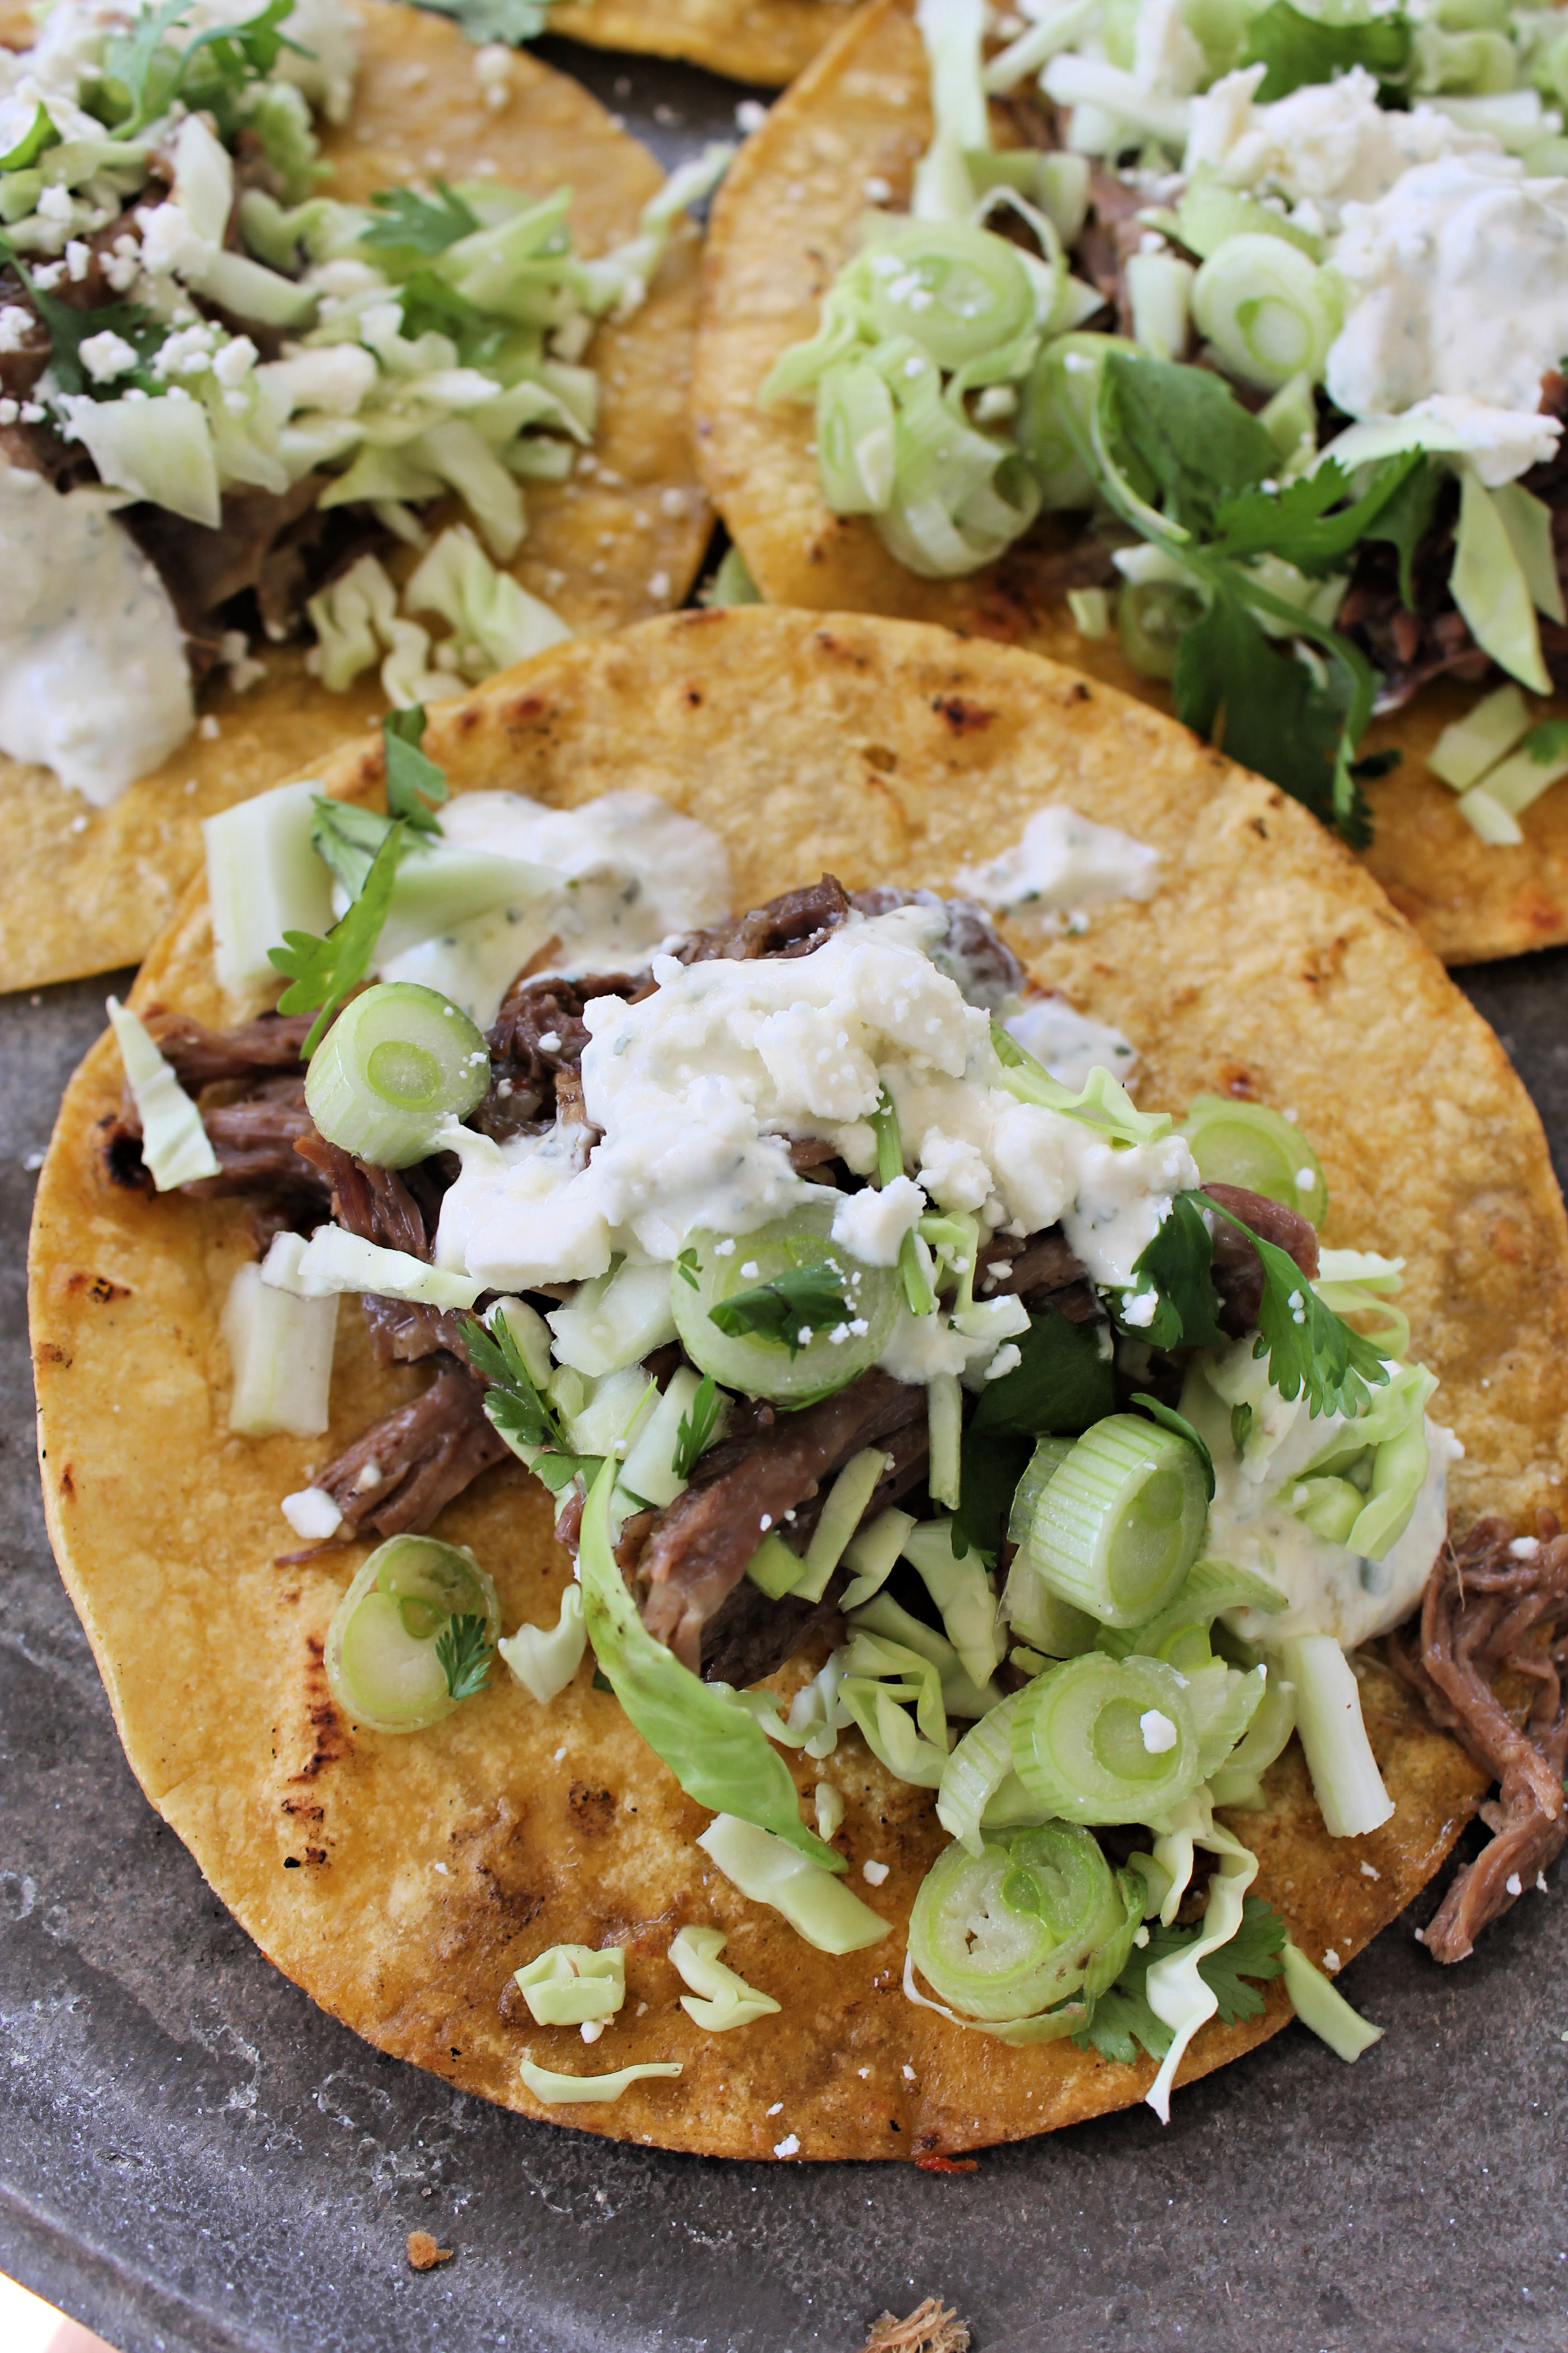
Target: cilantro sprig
<point>1123,2018</point>
<point>465,1650</point>
<point>518,1410</point>
<point>39,134</point>
<point>323,972</point>
<point>695,1430</point>
<point>484,21</point>
<point>143,74</point>
<point>1297,49</point>
<point>789,1310</point>
<point>69,328</point>
<point>415,786</point>
<point>410,223</point>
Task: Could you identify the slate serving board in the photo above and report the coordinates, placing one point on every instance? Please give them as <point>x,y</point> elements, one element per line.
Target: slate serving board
<point>194,2159</point>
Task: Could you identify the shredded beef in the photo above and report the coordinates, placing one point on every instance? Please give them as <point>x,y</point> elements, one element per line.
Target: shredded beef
<point>201,1057</point>
<point>1039,1269</point>
<point>749,1637</point>
<point>423,1454</point>
<point>1237,1269</point>
<point>700,1545</point>
<point>1487,1611</point>
<point>396,1208</point>
<point>254,1138</point>
<point>973,954</point>
<point>524,1070</point>
<point>1110,238</point>
<point>792,925</point>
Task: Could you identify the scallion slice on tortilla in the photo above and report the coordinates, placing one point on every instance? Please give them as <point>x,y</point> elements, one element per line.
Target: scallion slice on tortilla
<point>1028,1921</point>
<point>410,1637</point>
<point>1120,1520</point>
<point>395,1064</point>
<point>784,1312</point>
<point>1248,1145</point>
<point>1098,1740</point>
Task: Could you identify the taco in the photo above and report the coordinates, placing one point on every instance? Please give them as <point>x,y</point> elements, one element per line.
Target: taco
<point>831,1626</point>
<point>1052,452</point>
<point>251,512</point>
<point>766,41</point>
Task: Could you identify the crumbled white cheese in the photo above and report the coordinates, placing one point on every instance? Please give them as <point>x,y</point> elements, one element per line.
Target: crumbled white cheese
<point>312,1514</point>
<point>874,1873</point>
<point>788,2147</point>
<point>1157,1732</point>
<point>872,1224</point>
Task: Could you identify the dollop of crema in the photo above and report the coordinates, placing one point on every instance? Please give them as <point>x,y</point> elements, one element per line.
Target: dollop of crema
<point>1451,261</point>
<point>696,1088</point>
<point>1064,865</point>
<point>1329,1589</point>
<point>94,683</point>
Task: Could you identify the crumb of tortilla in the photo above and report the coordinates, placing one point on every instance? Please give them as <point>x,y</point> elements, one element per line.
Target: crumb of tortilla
<point>934,2328</point>
<point>425,2254</point>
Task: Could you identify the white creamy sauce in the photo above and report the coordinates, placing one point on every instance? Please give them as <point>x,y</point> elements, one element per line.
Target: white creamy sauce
<point>631,874</point>
<point>1329,1589</point>
<point>93,678</point>
<point>1064,865</point>
<point>696,1088</point>
<point>1069,1043</point>
<point>1453,263</point>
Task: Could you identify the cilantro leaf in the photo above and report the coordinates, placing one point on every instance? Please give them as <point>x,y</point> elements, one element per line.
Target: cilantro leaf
<point>428,304</point>
<point>413,781</point>
<point>686,1267</point>
<point>991,1463</point>
<point>1063,1383</point>
<point>1187,434</point>
<point>322,972</point>
<point>1404,520</point>
<point>1280,716</point>
<point>414,224</point>
<point>483,21</point>
<point>69,328</point>
<point>1547,742</point>
<point>1310,1349</point>
<point>139,72</point>
<point>1176,1266</point>
<point>463,1649</point>
<point>512,1402</point>
<point>1297,49</point>
<point>1122,2018</point>
<point>1169,1419</point>
<point>787,1311</point>
<point>40,134</point>
<point>1296,522</point>
<point>346,838</point>
<point>696,1429</point>
<point>1241,1420</point>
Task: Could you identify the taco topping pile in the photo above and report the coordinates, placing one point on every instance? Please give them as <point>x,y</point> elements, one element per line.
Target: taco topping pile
<point>881,1377</point>
<point>1280,298</point>
<point>225,396</point>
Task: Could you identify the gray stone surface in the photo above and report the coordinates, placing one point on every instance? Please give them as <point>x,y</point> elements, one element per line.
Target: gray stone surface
<point>193,2156</point>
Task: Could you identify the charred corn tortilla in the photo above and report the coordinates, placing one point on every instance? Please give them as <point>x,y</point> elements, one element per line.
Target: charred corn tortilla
<point>783,227</point>
<point>84,889</point>
<point>402,1880</point>
<point>767,41</point>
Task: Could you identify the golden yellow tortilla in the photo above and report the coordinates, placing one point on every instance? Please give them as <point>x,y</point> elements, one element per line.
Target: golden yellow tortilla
<point>766,41</point>
<point>83,890</point>
<point>429,1867</point>
<point>783,227</point>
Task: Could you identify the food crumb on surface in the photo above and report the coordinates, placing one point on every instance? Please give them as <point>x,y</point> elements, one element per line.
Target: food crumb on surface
<point>908,2072</point>
<point>423,2254</point>
<point>788,2147</point>
<point>1370,1871</point>
<point>874,1872</point>
<point>777,2108</point>
<point>1331,1958</point>
<point>933,2327</point>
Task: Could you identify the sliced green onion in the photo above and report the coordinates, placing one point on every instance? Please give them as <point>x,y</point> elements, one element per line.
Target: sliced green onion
<point>1290,419</point>
<point>1399,1467</point>
<point>544,1659</point>
<point>583,2091</point>
<point>709,1273</point>
<point>1210,1587</point>
<point>877,1709</point>
<point>1224,1702</point>
<point>720,1998</point>
<point>281,1352</point>
<point>959,292</point>
<point>574,1983</point>
<point>1160,293</point>
<point>1045,2026</point>
<point>1064,377</point>
<point>176,1147</point>
<point>1239,1782</point>
<point>774,1568</point>
<point>1248,1144</point>
<point>1210,215</point>
<point>817,1906</point>
<point>397,1064</point>
<point>974,1773</point>
<point>1090,610</point>
<point>873,1553</point>
<point>263,879</point>
<point>1490,821</point>
<point>1320,2005</point>
<point>944,1411</point>
<point>1346,1782</point>
<point>1102,1740</point>
<point>382,1659</point>
<point>1270,311</point>
<point>1119,1524</point>
<point>856,439</point>
<point>1330,1507</point>
<point>962,1591</point>
<point>841,1514</point>
<point>1008,1932</point>
<point>1467,747</point>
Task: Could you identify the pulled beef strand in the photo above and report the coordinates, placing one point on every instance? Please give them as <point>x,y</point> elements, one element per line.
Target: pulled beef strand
<point>401,1472</point>
<point>1487,1609</point>
<point>201,1057</point>
<point>525,1069</point>
<point>791,926</point>
<point>397,1209</point>
<point>701,1544</point>
<point>1238,1270</point>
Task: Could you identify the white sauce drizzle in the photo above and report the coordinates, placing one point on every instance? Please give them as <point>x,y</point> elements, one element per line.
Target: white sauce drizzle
<point>1064,865</point>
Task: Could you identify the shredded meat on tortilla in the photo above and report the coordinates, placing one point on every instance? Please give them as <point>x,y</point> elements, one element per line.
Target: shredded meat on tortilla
<point>1238,1270</point>
<point>1496,1605</point>
<point>401,1474</point>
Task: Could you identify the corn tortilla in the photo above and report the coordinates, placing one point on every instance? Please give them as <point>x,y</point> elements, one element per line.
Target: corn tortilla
<point>783,227</point>
<point>85,890</point>
<point>1269,965</point>
<point>766,41</point>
